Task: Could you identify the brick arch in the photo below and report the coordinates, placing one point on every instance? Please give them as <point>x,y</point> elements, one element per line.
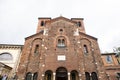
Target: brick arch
<point>86,40</point>
<point>86,45</point>
<point>35,40</point>
<point>33,44</point>
<point>61,68</point>
<point>32,57</point>
<point>48,70</point>
<point>74,71</point>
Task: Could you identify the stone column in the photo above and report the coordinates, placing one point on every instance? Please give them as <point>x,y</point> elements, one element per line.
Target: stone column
<point>43,76</point>
<point>79,77</point>
<point>32,76</point>
<point>68,75</point>
<point>90,76</point>
<point>54,74</point>
<point>83,77</point>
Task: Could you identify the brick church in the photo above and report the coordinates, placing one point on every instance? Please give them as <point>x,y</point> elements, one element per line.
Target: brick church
<point>61,50</point>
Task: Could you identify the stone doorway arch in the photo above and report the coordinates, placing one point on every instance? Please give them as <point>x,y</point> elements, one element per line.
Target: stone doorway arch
<point>61,74</point>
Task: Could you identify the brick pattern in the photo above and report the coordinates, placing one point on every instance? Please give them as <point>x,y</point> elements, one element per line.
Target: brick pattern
<point>76,59</point>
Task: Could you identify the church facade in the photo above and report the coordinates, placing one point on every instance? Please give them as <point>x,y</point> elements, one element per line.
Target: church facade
<point>61,50</point>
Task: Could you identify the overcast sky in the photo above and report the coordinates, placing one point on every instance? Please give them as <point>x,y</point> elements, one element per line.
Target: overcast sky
<point>18,18</point>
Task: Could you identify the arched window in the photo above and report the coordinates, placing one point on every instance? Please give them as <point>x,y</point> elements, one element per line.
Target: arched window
<point>74,75</point>
<point>48,75</point>
<point>6,56</point>
<point>85,49</point>
<point>79,24</point>
<point>87,75</point>
<point>36,49</point>
<point>94,76</point>
<point>61,42</point>
<point>42,23</point>
<point>28,76</point>
<point>61,73</point>
<point>118,76</point>
<point>35,76</point>
<point>109,59</point>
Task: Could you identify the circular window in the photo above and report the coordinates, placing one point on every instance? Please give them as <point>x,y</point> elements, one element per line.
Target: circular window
<point>61,30</point>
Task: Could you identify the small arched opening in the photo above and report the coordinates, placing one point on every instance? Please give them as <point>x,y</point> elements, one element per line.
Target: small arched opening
<point>94,76</point>
<point>61,74</point>
<point>35,76</point>
<point>74,75</point>
<point>48,75</point>
<point>87,75</point>
<point>28,76</point>
<point>42,23</point>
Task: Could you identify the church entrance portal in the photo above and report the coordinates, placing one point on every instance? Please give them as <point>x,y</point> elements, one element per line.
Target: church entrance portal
<point>61,74</point>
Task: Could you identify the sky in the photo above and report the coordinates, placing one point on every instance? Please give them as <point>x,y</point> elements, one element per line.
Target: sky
<point>19,18</point>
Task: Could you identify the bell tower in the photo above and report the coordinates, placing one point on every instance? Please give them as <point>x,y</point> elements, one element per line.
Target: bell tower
<point>41,23</point>
<point>79,24</point>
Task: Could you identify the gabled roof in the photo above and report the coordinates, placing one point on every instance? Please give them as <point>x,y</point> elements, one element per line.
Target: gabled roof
<point>88,35</point>
<point>32,35</point>
<point>61,18</point>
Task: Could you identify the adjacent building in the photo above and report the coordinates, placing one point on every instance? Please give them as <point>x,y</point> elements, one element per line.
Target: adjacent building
<point>4,70</point>
<point>9,58</point>
<point>112,65</point>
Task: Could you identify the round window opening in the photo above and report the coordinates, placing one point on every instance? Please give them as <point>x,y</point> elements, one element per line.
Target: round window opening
<point>61,30</point>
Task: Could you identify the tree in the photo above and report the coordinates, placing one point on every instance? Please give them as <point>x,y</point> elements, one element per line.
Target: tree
<point>117,51</point>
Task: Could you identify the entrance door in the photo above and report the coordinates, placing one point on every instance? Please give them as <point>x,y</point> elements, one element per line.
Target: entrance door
<point>61,74</point>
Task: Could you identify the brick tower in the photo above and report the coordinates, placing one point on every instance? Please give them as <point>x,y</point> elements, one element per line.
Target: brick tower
<point>61,50</point>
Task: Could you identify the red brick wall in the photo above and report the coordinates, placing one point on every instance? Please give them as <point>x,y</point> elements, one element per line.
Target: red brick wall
<point>48,52</point>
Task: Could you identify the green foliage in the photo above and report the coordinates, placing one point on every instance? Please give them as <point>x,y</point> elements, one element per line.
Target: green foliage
<point>117,50</point>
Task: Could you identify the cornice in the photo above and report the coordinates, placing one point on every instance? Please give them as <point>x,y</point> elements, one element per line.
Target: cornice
<point>10,46</point>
